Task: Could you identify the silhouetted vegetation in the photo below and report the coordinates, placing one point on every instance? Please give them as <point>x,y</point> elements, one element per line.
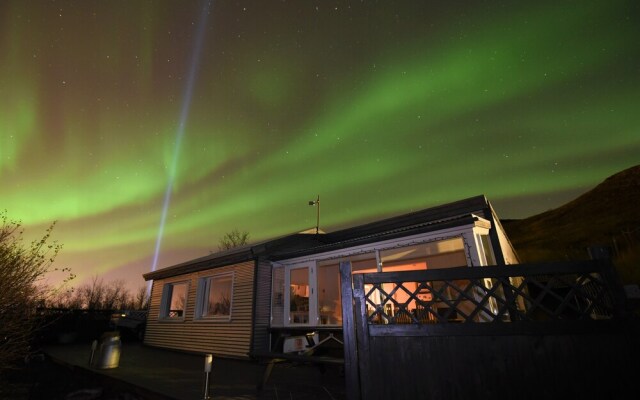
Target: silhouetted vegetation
<point>33,313</point>
<point>101,295</point>
<point>233,239</point>
<point>82,314</point>
<point>22,268</point>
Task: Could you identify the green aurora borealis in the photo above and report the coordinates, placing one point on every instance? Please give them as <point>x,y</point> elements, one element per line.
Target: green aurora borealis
<point>379,107</point>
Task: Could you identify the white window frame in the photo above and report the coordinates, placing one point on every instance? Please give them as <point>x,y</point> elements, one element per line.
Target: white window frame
<point>464,231</point>
<point>277,322</point>
<point>467,232</point>
<point>165,301</point>
<point>313,306</point>
<point>202,297</point>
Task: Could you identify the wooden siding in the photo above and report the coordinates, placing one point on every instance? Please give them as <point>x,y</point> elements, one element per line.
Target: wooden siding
<point>262,310</point>
<point>220,337</point>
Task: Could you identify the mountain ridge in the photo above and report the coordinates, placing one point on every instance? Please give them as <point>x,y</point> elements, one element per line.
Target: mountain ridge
<point>607,215</point>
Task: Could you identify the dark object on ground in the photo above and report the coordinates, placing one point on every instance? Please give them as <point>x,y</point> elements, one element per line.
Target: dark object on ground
<point>107,351</point>
<point>130,323</point>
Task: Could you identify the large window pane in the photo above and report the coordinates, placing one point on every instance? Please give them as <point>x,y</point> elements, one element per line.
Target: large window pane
<point>488,251</point>
<point>299,295</point>
<point>215,296</point>
<point>441,254</point>
<point>363,266</point>
<point>219,304</point>
<point>174,300</point>
<point>366,264</point>
<point>329,306</point>
<point>433,255</point>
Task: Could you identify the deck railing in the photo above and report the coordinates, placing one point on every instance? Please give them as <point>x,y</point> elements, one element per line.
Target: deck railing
<point>494,295</point>
<point>487,332</point>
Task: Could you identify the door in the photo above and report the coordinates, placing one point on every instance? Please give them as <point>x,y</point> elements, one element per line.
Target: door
<point>300,298</point>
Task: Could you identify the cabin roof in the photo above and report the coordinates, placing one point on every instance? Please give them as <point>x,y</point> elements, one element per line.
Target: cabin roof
<point>346,242</point>
<point>453,214</point>
<point>287,243</point>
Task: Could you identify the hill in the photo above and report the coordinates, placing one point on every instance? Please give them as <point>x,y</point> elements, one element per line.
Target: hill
<point>608,215</point>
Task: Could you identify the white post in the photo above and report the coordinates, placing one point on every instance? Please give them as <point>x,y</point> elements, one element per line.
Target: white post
<point>94,346</point>
<point>208,362</point>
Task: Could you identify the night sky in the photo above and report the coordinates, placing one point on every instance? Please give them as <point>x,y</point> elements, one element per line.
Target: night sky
<point>249,110</point>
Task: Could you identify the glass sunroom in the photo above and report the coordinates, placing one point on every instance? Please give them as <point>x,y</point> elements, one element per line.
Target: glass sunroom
<point>306,290</point>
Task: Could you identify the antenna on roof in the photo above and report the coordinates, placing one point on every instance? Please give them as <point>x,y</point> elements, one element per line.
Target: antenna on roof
<point>316,202</point>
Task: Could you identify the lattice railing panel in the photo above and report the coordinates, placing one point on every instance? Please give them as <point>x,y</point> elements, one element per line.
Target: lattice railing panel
<point>582,295</point>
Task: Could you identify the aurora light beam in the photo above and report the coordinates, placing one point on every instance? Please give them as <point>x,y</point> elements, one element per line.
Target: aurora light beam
<point>184,113</point>
<point>413,104</point>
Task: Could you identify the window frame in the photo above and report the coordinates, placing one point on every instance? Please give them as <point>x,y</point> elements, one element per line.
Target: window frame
<point>319,267</point>
<point>165,301</point>
<point>470,250</point>
<point>312,314</point>
<point>277,318</point>
<point>204,291</point>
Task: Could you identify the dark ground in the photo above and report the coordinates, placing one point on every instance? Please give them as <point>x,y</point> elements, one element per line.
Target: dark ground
<point>44,379</point>
<point>59,370</point>
<point>47,377</point>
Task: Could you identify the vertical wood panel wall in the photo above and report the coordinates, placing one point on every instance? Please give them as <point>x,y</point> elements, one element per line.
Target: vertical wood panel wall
<point>586,366</point>
<point>262,311</point>
<point>221,337</point>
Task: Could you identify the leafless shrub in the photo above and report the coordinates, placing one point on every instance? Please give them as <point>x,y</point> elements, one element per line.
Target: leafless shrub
<point>100,295</point>
<point>22,269</point>
<point>233,239</point>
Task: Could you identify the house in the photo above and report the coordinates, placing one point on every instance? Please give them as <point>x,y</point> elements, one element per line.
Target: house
<point>245,300</point>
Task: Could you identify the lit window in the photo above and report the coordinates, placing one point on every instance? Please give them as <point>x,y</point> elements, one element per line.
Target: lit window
<point>174,300</point>
<point>329,305</point>
<point>488,252</point>
<point>215,295</point>
<point>433,255</point>
<point>447,253</point>
<point>299,294</point>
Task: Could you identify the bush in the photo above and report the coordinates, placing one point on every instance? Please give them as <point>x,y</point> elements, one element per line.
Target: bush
<point>22,267</point>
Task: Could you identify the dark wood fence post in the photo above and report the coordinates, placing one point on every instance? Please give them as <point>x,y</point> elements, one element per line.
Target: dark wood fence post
<point>510,299</point>
<point>362,336</point>
<point>614,285</point>
<point>351,373</point>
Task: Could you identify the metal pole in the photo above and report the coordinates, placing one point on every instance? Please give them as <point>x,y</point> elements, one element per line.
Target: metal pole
<point>208,361</point>
<point>316,202</point>
<point>318,215</point>
<point>94,346</point>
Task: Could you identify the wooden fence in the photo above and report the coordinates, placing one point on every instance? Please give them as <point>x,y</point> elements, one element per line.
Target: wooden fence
<point>64,325</point>
<point>501,332</point>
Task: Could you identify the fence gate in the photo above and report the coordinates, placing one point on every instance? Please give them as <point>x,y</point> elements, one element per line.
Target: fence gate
<point>538,331</point>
